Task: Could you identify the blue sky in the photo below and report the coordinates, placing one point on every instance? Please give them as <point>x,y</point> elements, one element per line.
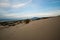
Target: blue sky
<point>29,8</point>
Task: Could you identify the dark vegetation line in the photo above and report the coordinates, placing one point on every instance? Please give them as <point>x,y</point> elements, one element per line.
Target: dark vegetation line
<point>14,23</point>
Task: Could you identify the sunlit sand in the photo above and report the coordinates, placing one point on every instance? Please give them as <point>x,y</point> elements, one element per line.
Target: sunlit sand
<point>44,29</point>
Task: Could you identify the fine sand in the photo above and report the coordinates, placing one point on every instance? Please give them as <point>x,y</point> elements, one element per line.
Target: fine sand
<point>45,29</point>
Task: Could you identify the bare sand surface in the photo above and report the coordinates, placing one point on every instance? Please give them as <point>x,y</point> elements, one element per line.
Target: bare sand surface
<point>45,29</point>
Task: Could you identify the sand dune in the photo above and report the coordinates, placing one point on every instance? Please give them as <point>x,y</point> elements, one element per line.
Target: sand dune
<point>45,29</point>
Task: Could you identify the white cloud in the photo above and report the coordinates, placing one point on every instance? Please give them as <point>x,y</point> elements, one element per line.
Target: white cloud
<point>4,0</point>
<point>4,4</point>
<point>27,15</point>
<point>19,5</point>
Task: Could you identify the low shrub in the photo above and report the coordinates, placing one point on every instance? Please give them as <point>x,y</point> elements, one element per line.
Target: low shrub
<point>27,21</point>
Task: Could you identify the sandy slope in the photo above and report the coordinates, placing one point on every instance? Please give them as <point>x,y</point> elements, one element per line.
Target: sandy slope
<point>45,29</point>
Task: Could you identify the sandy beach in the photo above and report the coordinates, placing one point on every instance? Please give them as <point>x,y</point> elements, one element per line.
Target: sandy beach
<point>45,29</point>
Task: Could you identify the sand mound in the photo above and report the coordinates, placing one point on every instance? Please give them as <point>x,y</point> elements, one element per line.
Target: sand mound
<point>45,29</point>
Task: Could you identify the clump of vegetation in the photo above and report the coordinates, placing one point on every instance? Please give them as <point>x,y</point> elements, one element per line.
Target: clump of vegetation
<point>58,15</point>
<point>11,24</point>
<point>20,21</point>
<point>45,17</point>
<point>3,23</point>
<point>7,24</point>
<point>26,21</point>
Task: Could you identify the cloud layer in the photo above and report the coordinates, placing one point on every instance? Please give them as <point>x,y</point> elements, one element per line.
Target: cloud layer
<point>26,15</point>
<point>28,8</point>
<point>13,5</point>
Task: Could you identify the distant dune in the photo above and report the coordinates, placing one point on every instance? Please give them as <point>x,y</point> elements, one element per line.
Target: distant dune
<point>44,29</point>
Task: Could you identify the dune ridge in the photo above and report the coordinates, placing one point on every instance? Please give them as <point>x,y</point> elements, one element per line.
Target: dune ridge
<point>45,29</point>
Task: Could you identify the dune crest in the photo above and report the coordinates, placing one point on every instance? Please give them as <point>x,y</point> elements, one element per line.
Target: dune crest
<point>45,29</point>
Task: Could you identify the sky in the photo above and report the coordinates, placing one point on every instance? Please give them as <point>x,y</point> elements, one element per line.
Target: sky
<point>29,8</point>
